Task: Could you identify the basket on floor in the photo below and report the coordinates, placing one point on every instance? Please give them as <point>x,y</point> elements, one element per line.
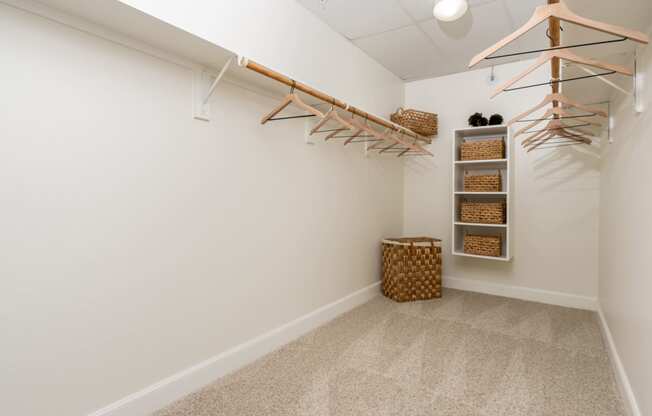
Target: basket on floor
<point>483,245</point>
<point>482,183</point>
<point>411,268</point>
<point>483,212</point>
<point>482,149</point>
<point>419,122</point>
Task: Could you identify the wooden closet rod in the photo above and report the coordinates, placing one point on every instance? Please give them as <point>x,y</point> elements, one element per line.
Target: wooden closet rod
<point>256,67</point>
<point>554,30</point>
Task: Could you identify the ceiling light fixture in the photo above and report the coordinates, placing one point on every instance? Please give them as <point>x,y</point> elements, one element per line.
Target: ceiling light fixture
<point>449,10</point>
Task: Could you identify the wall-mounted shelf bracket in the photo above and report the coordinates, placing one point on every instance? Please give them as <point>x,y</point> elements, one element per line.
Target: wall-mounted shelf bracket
<point>204,85</point>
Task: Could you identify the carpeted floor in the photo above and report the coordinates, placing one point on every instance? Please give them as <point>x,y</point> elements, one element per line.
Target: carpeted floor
<point>466,354</point>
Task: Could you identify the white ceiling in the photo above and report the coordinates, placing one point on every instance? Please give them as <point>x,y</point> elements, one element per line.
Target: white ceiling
<point>403,36</point>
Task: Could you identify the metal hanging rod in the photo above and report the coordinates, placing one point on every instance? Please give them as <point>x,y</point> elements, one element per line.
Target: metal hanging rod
<point>558,128</point>
<point>348,137</point>
<point>366,141</point>
<point>269,73</point>
<point>559,81</point>
<point>574,143</point>
<point>291,117</point>
<point>579,45</point>
<point>554,118</point>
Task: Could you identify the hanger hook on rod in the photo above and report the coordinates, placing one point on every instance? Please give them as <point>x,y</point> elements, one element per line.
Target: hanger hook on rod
<point>548,32</point>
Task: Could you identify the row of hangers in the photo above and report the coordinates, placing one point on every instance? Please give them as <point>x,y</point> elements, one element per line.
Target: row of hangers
<point>358,128</point>
<point>557,132</point>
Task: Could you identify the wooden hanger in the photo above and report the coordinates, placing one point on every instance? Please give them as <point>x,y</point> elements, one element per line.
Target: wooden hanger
<point>550,136</point>
<point>555,142</point>
<point>364,127</point>
<point>403,141</point>
<point>556,111</point>
<point>561,12</point>
<point>388,135</point>
<point>291,98</point>
<point>565,55</point>
<point>382,135</point>
<point>557,98</point>
<point>557,131</point>
<point>335,132</point>
<point>558,126</point>
<point>332,115</point>
<point>579,139</point>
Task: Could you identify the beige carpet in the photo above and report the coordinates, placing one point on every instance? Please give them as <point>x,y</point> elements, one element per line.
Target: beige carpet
<point>465,354</point>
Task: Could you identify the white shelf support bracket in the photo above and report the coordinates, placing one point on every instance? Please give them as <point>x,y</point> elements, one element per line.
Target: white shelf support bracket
<point>204,85</point>
<point>603,79</point>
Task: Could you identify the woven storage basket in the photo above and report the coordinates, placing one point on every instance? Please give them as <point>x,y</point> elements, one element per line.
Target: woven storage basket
<point>483,245</point>
<point>482,183</point>
<point>419,122</point>
<point>482,149</point>
<point>411,268</point>
<point>483,212</point>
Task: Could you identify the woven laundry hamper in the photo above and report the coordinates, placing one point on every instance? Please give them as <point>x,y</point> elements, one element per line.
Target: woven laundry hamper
<point>411,268</point>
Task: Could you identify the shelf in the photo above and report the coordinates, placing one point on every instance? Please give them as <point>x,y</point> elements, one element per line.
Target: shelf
<point>473,224</point>
<point>481,162</point>
<point>457,253</point>
<point>481,167</point>
<point>480,193</point>
<point>482,131</point>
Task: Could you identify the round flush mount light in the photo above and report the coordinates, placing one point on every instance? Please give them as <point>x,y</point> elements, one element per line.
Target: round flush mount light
<point>449,10</point>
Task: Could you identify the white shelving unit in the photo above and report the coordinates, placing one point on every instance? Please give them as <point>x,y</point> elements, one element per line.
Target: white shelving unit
<point>482,166</point>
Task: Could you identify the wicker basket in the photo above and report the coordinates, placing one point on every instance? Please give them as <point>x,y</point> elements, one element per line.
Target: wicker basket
<point>483,212</point>
<point>419,122</point>
<point>482,149</point>
<point>483,245</point>
<point>482,183</point>
<point>411,268</point>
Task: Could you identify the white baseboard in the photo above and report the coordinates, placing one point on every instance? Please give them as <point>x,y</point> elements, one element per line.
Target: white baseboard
<point>524,293</point>
<point>168,390</point>
<point>626,392</point>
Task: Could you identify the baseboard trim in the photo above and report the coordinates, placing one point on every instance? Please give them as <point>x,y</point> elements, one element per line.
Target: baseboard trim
<point>626,392</point>
<point>524,293</point>
<point>168,390</point>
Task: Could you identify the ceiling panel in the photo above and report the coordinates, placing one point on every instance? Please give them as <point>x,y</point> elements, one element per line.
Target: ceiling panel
<point>403,36</point>
<point>476,30</point>
<point>406,52</point>
<point>358,18</point>
<point>520,11</point>
<point>418,9</point>
<point>422,9</point>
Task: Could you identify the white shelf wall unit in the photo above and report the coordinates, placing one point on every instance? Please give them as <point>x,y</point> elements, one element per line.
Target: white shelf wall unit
<point>478,167</point>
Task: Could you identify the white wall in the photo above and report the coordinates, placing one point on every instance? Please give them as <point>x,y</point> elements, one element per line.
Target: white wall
<point>555,195</point>
<point>283,35</point>
<point>137,241</point>
<point>625,225</point>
